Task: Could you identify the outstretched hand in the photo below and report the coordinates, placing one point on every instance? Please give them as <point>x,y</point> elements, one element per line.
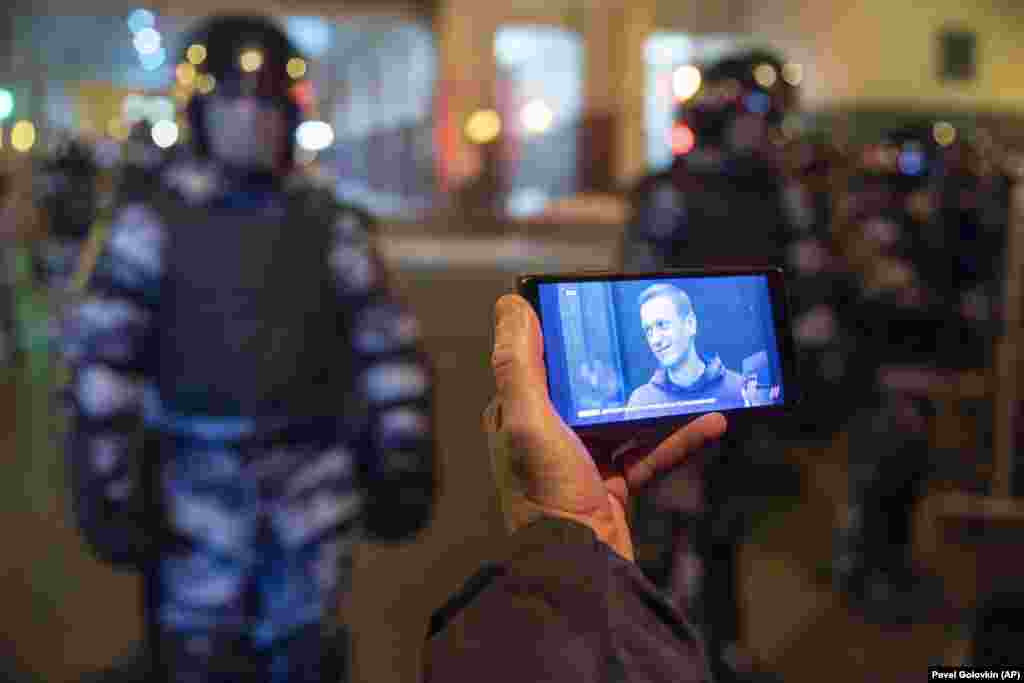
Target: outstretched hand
<point>541,466</point>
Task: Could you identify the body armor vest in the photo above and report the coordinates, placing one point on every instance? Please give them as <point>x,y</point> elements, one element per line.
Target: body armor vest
<point>248,320</point>
<point>731,222</point>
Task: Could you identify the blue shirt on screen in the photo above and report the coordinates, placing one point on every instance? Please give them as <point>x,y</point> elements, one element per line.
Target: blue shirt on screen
<point>717,382</point>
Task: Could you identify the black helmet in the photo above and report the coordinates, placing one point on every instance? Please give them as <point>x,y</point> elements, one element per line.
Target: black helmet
<point>755,81</point>
<point>915,155</point>
<point>72,157</point>
<point>141,162</point>
<point>758,72</point>
<point>244,55</point>
<point>66,189</point>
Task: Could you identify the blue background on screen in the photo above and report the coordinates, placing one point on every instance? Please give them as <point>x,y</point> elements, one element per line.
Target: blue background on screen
<point>596,350</point>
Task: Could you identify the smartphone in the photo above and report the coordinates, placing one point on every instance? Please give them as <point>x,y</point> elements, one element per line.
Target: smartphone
<point>633,353</point>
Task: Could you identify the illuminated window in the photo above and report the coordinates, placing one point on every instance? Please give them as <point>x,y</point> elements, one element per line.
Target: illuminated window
<point>376,83</point>
<point>539,101</point>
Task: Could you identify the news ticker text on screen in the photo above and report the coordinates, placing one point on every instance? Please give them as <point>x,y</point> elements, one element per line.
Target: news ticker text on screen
<point>653,406</point>
<point>976,673</point>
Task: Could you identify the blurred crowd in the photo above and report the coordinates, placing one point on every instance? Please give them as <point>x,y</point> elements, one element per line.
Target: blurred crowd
<point>56,207</point>
<point>896,255</point>
<point>896,258</point>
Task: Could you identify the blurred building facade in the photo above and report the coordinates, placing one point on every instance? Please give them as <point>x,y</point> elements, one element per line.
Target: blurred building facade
<point>581,88</point>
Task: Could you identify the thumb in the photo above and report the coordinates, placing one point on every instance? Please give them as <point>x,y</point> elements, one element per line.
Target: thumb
<point>518,356</point>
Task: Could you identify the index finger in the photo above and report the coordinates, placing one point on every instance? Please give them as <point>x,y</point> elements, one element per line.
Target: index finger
<point>673,451</point>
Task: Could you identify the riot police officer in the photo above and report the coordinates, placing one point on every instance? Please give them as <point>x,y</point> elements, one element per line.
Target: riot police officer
<point>904,217</point>
<point>743,192</point>
<point>244,314</point>
<point>724,201</point>
<point>721,201</point>
<point>66,191</point>
<point>141,163</point>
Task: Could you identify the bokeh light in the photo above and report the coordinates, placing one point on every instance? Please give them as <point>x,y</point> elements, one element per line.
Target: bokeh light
<point>147,41</point>
<point>911,160</point>
<point>6,103</point>
<point>296,67</point>
<point>686,82</point>
<point>314,35</point>
<point>765,75</point>
<point>117,129</point>
<point>757,102</point>
<point>682,139</point>
<point>250,60</point>
<point>314,135</point>
<point>185,73</point>
<point>483,126</point>
<point>537,116</point>
<point>793,73</point>
<point>141,19</point>
<point>196,53</point>
<point>206,83</point>
<point>944,133</point>
<point>23,136</point>
<point>153,61</point>
<point>165,133</point>
<point>303,94</point>
<point>527,201</point>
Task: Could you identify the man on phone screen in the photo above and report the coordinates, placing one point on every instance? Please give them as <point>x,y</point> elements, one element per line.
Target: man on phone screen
<point>684,375</point>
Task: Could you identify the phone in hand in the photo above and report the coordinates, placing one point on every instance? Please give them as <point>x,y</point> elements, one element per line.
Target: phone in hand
<point>634,353</point>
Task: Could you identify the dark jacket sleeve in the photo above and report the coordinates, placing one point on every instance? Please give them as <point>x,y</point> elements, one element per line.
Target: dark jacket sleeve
<point>562,607</point>
<point>657,218</point>
<point>395,381</point>
<point>106,341</point>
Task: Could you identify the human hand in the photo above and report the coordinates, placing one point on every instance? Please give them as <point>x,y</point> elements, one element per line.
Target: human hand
<point>541,466</point>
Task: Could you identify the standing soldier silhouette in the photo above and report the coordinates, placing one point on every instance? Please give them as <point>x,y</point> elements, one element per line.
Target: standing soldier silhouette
<point>725,201</point>
<point>240,317</point>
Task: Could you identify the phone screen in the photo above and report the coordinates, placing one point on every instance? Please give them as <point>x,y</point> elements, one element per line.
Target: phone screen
<point>637,349</point>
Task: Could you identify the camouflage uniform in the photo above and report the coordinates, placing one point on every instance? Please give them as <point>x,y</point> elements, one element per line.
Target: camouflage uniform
<point>245,512</point>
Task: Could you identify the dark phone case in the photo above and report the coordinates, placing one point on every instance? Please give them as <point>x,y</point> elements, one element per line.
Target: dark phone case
<point>653,429</point>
